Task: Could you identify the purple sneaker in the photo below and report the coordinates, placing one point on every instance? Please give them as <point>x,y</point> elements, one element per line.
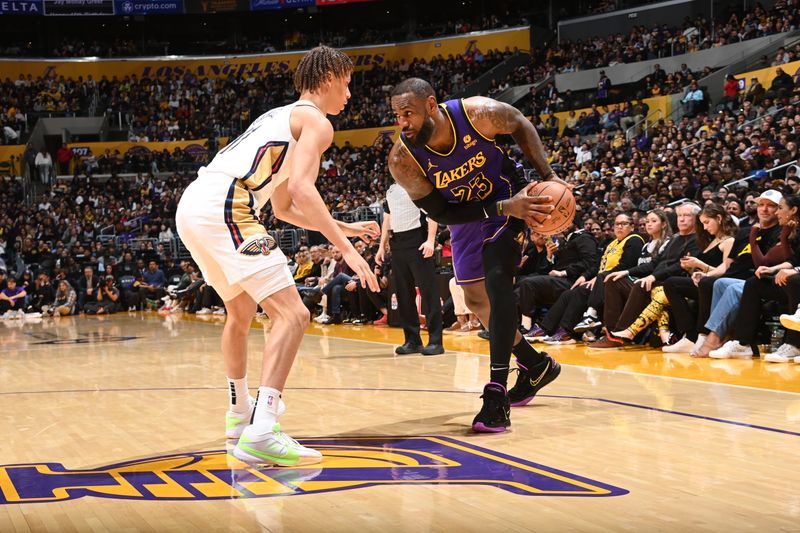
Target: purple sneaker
<point>535,334</point>
<point>560,337</point>
<point>529,382</point>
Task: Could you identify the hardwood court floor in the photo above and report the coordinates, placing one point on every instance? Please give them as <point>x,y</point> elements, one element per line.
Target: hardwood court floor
<point>116,424</point>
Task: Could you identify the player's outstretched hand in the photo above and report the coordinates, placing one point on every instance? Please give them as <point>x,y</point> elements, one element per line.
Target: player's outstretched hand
<point>532,209</point>
<point>361,270</point>
<point>554,177</point>
<point>366,231</point>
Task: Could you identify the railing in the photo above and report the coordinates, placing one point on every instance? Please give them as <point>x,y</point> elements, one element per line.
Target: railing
<point>734,182</point>
<point>768,171</point>
<point>27,185</point>
<point>94,102</point>
<point>140,243</point>
<point>645,120</point>
<point>760,117</point>
<point>134,225</point>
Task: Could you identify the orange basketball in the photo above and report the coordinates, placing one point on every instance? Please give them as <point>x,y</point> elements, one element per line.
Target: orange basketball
<point>564,203</point>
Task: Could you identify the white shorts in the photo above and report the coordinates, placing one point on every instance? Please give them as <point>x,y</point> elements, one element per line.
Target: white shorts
<point>217,222</point>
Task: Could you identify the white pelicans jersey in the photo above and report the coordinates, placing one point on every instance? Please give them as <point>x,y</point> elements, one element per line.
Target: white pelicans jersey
<point>260,157</point>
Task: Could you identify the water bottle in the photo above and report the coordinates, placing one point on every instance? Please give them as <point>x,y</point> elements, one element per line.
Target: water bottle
<point>776,337</point>
<point>394,302</point>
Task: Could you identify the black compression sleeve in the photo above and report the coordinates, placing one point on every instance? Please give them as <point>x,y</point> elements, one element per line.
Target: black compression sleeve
<point>445,212</point>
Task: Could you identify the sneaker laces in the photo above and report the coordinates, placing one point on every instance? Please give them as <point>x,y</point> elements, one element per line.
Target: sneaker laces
<point>283,438</point>
<point>786,350</point>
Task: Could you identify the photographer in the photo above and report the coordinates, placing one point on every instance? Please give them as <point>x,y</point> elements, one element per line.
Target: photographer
<point>107,297</point>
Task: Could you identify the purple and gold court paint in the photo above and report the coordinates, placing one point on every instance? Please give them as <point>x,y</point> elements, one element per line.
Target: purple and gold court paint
<point>348,463</point>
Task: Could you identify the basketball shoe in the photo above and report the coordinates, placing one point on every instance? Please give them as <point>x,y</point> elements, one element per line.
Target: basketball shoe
<point>236,422</point>
<point>273,447</point>
<point>529,382</point>
<point>494,416</point>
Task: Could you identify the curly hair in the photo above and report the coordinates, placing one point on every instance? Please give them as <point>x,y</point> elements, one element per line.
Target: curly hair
<point>318,65</point>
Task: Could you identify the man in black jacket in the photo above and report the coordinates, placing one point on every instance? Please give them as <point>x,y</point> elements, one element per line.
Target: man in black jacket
<point>627,292</point>
<point>781,85</point>
<point>87,287</point>
<point>576,255</point>
<point>41,295</point>
<point>534,258</point>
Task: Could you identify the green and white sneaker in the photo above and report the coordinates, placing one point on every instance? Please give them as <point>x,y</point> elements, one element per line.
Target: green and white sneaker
<point>273,448</point>
<point>236,422</point>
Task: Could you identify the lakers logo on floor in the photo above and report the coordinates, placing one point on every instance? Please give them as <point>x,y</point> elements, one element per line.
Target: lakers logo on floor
<point>348,463</point>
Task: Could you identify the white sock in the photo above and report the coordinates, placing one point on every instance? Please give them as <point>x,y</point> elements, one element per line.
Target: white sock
<point>238,396</point>
<point>266,412</point>
<point>590,311</point>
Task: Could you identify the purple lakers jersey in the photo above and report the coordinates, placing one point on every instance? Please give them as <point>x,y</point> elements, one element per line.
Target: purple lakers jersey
<point>474,169</point>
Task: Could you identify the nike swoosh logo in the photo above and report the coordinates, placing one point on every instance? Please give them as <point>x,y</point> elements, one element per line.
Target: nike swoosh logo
<point>546,368</point>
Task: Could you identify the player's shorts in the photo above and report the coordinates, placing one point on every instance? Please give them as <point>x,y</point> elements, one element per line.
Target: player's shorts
<point>468,240</point>
<point>217,222</point>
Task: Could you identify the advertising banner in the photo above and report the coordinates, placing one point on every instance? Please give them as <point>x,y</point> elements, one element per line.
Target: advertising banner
<point>364,58</point>
<point>74,8</point>
<point>333,2</point>
<point>216,6</point>
<point>197,148</point>
<point>263,5</point>
<point>21,7</point>
<point>148,7</point>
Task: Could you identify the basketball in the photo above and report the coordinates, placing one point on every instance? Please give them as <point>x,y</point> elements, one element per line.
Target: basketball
<point>563,202</point>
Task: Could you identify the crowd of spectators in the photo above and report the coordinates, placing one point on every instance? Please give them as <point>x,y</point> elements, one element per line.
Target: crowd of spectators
<point>116,226</point>
<point>150,42</point>
<point>643,43</point>
<point>607,6</point>
<point>647,44</point>
<point>189,107</point>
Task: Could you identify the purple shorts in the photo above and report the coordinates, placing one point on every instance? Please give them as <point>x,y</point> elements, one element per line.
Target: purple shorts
<point>467,241</point>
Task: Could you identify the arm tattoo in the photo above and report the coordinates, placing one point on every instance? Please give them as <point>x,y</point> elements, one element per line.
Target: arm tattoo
<point>498,114</point>
<point>506,119</point>
<point>407,173</point>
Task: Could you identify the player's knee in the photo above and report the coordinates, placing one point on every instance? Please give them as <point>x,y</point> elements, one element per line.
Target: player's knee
<point>497,281</point>
<point>239,322</point>
<point>299,317</point>
<point>476,305</point>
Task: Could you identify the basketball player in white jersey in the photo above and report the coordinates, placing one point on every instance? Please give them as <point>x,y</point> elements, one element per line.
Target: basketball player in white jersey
<point>275,160</point>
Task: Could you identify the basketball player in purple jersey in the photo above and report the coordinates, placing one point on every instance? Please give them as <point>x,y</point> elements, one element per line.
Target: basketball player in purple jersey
<point>447,160</point>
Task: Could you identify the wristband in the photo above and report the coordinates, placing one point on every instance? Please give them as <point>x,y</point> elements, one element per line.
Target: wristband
<point>494,209</point>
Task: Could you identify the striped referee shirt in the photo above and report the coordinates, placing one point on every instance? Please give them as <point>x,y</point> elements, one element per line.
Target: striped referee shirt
<point>405,215</point>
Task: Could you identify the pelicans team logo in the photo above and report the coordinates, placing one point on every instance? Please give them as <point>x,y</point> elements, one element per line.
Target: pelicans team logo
<point>348,463</point>
<point>258,245</point>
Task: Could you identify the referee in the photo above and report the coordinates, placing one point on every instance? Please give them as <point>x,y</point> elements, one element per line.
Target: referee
<point>412,265</point>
